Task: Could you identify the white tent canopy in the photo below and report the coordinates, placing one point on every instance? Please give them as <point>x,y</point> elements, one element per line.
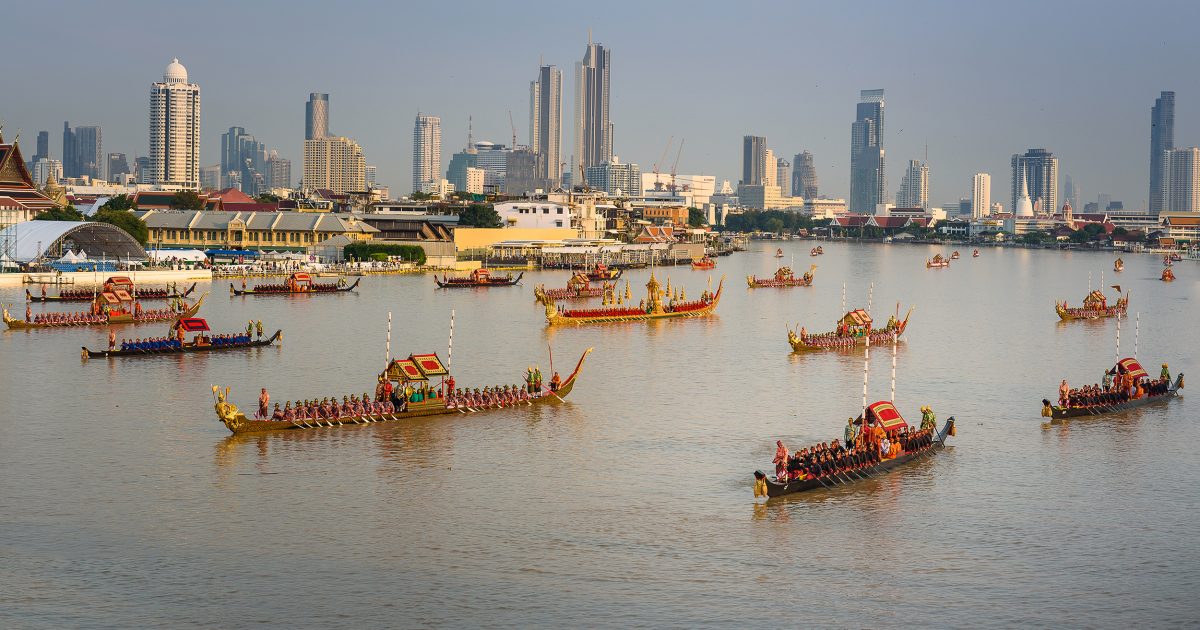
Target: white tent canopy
<point>186,255</point>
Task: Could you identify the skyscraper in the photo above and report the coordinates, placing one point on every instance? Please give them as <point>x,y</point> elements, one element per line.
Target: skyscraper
<point>1181,180</point>
<point>1162,139</point>
<point>334,163</point>
<point>70,152</point>
<point>1039,169</point>
<point>175,129</point>
<point>804,176</point>
<point>914,188</point>
<point>545,122</point>
<point>593,130</point>
<point>117,165</point>
<point>241,153</point>
<point>754,160</point>
<point>43,147</point>
<point>316,116</point>
<point>89,156</point>
<point>981,195</point>
<point>279,171</point>
<point>783,174</point>
<point>868,182</point>
<point>427,153</point>
<point>615,178</point>
<point>1070,192</point>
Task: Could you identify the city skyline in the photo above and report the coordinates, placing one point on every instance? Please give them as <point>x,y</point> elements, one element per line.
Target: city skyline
<point>1100,136</point>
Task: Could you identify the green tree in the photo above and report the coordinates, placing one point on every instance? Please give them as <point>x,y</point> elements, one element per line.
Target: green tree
<point>266,198</point>
<point>120,202</point>
<point>696,217</point>
<point>479,215</point>
<point>125,220</point>
<point>421,196</point>
<point>68,213</point>
<point>373,251</point>
<point>187,200</point>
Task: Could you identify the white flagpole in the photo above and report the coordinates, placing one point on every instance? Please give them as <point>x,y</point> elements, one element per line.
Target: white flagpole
<point>1137,331</point>
<point>1089,282</point>
<point>893,370</point>
<point>450,345</point>
<point>1118,336</point>
<point>866,371</point>
<point>388,360</point>
<point>843,298</point>
<point>870,297</point>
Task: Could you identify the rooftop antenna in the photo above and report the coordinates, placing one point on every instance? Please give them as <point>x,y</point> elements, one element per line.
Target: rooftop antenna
<point>470,132</point>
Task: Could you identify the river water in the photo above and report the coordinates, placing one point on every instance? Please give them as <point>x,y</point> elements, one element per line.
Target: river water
<point>124,503</point>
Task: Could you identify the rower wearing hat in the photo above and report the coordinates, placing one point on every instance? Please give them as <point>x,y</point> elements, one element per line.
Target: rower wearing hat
<point>928,420</point>
<point>1165,374</point>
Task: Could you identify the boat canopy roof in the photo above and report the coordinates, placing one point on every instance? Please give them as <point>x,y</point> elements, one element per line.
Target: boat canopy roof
<point>301,277</point>
<point>1131,366</point>
<point>885,412</point>
<point>119,281</point>
<point>110,297</point>
<point>404,370</point>
<point>857,317</point>
<point>122,295</point>
<point>429,364</point>
<point>193,324</point>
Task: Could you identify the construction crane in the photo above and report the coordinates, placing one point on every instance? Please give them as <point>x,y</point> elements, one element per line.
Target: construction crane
<point>671,187</point>
<point>514,130</point>
<point>657,183</point>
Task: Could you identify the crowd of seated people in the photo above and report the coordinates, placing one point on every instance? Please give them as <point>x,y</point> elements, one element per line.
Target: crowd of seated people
<point>69,319</point>
<point>330,409</point>
<point>497,396</point>
<point>151,344</point>
<point>833,458</point>
<point>1115,389</point>
<point>155,314</point>
<point>237,339</point>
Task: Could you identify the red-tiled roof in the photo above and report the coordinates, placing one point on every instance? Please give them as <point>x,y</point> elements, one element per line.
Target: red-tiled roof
<point>231,195</point>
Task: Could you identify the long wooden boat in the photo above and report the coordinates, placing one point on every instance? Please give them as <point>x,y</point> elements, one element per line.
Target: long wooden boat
<point>237,422</point>
<point>1057,412</point>
<point>779,252</point>
<point>659,304</point>
<point>578,287</point>
<point>704,264</point>
<point>186,348</point>
<point>777,489</point>
<point>816,251</point>
<point>1095,306</point>
<point>479,278</point>
<point>1167,275</point>
<point>123,317</point>
<point>297,284</point>
<point>853,330</point>
<point>1118,265</point>
<point>602,272</point>
<point>955,255</point>
<point>783,278</point>
<point>937,262</point>
<point>82,295</point>
<point>975,253</point>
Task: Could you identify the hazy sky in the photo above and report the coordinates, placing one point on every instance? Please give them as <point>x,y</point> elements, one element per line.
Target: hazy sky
<point>976,81</point>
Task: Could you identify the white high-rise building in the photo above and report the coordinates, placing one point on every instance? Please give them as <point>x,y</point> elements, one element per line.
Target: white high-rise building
<point>46,168</point>
<point>981,195</point>
<point>427,153</point>
<point>914,187</point>
<point>474,180</point>
<point>783,175</point>
<point>175,130</point>
<point>335,163</point>
<point>1181,180</point>
<point>769,171</point>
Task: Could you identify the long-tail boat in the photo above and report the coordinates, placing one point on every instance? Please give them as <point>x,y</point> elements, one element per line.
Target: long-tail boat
<point>659,304</point>
<point>783,278</point>
<point>890,422</point>
<point>175,344</point>
<point>1118,265</point>
<point>578,287</point>
<point>602,272</point>
<point>704,264</point>
<point>937,262</point>
<point>1167,275</point>
<point>421,400</point>
<point>110,308</point>
<point>1095,306</point>
<point>298,283</point>
<point>111,284</point>
<point>1129,370</point>
<point>853,330</point>
<point>478,278</point>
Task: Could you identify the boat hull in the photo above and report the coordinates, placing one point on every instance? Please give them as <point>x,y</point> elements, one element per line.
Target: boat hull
<point>776,489</point>
<point>1060,413</point>
<point>451,284</point>
<point>237,422</point>
<point>554,318</point>
<point>240,292</point>
<point>30,297</point>
<point>189,349</point>
<point>20,324</point>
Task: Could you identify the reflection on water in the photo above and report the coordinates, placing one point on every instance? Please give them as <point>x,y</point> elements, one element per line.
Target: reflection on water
<point>628,504</point>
